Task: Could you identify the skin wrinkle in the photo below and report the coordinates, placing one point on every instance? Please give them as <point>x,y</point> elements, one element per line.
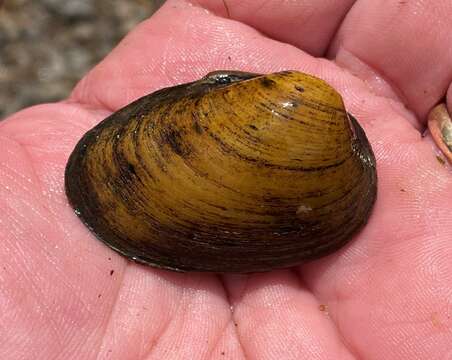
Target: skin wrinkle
<point>227,9</point>
<point>148,354</point>
<point>336,30</point>
<point>38,299</point>
<point>96,101</point>
<point>108,323</point>
<point>164,62</point>
<point>217,339</point>
<point>74,289</point>
<point>266,35</point>
<point>231,319</point>
<point>297,272</point>
<point>155,339</point>
<point>239,340</point>
<point>396,91</point>
<point>334,319</point>
<point>337,324</point>
<point>228,293</point>
<point>88,107</point>
<point>34,180</point>
<point>223,334</point>
<point>38,183</point>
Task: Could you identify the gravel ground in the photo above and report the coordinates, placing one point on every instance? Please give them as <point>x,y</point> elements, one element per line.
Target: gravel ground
<point>46,46</point>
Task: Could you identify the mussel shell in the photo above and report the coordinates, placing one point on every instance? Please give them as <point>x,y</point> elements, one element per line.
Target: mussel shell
<point>236,172</point>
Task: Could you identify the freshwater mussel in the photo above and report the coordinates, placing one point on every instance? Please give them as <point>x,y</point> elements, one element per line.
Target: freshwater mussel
<point>235,172</point>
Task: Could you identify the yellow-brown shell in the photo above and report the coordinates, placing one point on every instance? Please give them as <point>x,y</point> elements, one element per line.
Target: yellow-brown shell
<point>440,126</point>
<point>236,172</point>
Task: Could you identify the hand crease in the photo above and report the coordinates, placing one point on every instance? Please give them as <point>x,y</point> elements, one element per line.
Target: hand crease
<point>233,319</point>
<point>112,311</point>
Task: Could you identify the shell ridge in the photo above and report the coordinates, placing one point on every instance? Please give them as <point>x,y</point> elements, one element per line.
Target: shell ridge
<point>236,172</point>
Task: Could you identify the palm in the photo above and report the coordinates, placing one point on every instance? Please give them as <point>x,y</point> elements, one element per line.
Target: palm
<point>65,295</point>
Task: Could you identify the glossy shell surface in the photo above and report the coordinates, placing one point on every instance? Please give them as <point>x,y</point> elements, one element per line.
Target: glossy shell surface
<point>440,126</point>
<point>236,172</point>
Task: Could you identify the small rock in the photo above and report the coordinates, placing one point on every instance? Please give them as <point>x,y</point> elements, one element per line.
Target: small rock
<point>71,9</point>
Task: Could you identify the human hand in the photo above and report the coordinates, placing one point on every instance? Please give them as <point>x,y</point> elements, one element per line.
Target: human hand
<point>386,295</point>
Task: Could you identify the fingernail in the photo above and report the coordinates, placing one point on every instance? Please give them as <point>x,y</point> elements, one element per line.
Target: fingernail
<point>440,126</point>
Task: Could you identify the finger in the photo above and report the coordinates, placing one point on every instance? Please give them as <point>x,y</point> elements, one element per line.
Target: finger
<point>308,24</point>
<point>393,280</point>
<point>169,315</point>
<point>180,43</point>
<point>275,314</point>
<point>403,44</point>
